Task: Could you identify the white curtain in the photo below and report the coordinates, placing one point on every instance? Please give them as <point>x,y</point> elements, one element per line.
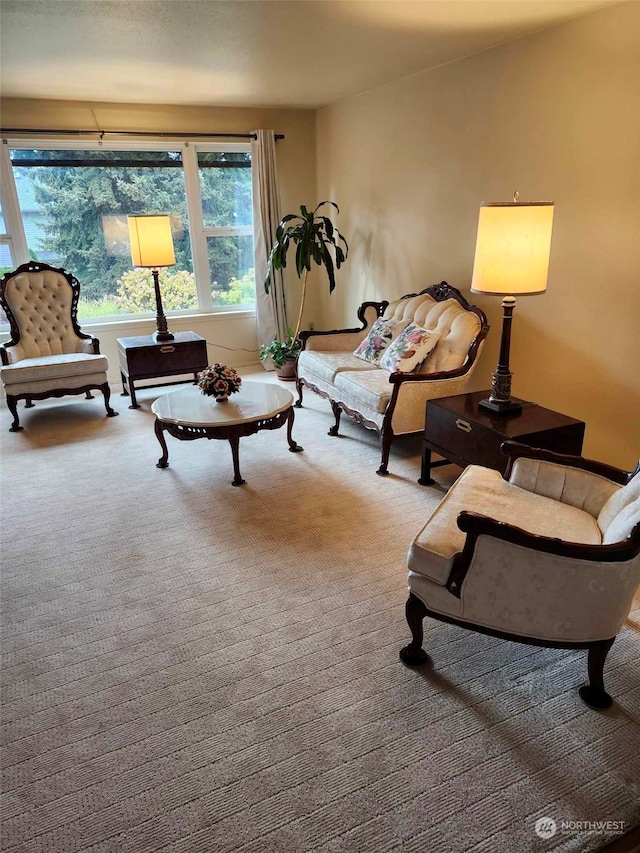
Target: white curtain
<point>271,311</point>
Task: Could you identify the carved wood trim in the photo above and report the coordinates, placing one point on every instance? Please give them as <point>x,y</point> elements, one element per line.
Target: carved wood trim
<point>57,392</point>
<point>184,432</point>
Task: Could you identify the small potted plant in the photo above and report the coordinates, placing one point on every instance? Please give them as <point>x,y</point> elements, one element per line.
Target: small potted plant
<point>315,237</point>
<point>219,381</point>
<point>283,354</point>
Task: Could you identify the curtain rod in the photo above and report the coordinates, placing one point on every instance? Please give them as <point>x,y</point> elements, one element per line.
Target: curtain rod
<point>102,133</point>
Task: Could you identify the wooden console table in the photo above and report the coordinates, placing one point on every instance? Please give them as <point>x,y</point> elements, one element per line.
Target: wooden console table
<point>460,432</point>
<point>143,358</point>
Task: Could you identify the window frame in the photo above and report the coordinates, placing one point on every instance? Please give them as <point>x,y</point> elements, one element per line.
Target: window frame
<point>198,232</point>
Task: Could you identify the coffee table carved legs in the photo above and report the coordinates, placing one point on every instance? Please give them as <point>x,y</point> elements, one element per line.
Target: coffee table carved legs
<point>235,453</point>
<point>232,434</point>
<point>293,447</point>
<point>163,462</point>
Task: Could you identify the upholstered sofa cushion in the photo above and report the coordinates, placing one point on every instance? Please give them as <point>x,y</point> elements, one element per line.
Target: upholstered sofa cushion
<point>326,365</point>
<point>369,387</point>
<point>53,367</point>
<point>484,491</point>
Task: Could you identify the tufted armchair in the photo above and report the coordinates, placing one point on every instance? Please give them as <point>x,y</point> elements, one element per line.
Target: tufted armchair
<point>547,555</point>
<point>47,355</point>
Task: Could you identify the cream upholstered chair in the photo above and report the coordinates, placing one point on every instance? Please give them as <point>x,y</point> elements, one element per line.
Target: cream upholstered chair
<point>549,555</point>
<point>47,355</point>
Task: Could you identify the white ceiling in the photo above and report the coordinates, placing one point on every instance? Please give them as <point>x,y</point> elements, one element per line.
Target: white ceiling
<point>281,53</point>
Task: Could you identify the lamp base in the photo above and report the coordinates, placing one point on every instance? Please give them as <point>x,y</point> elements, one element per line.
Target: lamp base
<point>500,407</point>
<point>161,336</point>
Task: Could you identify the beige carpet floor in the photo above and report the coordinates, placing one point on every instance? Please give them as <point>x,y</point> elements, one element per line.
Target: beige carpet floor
<point>189,666</point>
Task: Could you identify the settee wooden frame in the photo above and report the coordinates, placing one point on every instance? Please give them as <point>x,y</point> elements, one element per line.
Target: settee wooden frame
<point>439,292</point>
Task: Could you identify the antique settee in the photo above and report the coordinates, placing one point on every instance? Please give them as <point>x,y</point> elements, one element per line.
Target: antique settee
<point>387,396</point>
<point>549,555</point>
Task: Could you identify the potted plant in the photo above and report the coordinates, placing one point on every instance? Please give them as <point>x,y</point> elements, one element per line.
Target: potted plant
<point>315,238</point>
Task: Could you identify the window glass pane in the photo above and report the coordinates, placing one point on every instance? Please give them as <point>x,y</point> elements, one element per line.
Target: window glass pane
<point>5,258</point>
<point>225,188</point>
<point>74,206</point>
<point>232,270</point>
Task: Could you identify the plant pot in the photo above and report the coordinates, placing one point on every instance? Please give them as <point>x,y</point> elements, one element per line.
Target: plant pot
<point>288,372</point>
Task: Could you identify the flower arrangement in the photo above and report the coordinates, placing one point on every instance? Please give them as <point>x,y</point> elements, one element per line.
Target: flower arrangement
<point>219,381</point>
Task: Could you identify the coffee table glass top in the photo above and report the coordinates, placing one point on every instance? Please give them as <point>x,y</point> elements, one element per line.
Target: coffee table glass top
<point>190,407</point>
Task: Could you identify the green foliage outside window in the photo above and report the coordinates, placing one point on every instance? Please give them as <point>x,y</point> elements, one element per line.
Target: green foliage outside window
<point>135,291</point>
<point>72,201</point>
<point>241,291</point>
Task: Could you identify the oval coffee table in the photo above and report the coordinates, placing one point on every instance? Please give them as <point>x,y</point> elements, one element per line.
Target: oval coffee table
<point>188,414</point>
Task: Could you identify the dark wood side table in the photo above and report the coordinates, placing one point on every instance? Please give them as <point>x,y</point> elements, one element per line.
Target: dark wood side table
<point>460,432</point>
<point>143,358</point>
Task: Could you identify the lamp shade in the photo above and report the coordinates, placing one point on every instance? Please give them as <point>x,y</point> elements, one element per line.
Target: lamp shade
<point>512,248</point>
<point>151,240</point>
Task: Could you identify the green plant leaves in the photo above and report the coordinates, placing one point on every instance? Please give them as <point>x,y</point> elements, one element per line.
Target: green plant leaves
<point>280,351</point>
<point>315,237</point>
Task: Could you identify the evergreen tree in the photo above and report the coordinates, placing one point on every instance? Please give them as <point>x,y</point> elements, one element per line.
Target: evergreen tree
<point>84,209</point>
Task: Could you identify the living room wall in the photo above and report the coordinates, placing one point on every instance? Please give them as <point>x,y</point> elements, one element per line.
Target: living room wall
<point>232,337</point>
<point>555,116</point>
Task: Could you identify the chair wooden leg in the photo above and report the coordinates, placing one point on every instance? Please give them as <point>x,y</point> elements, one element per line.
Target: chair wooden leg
<point>298,402</point>
<point>387,438</point>
<point>111,413</point>
<point>28,403</point>
<point>593,694</point>
<point>414,654</point>
<point>12,404</point>
<point>89,395</point>
<point>337,411</point>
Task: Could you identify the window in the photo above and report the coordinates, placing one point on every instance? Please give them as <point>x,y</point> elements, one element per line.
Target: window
<point>225,190</point>
<point>72,206</point>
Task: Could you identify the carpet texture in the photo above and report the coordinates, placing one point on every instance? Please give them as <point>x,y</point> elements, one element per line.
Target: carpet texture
<point>189,666</point>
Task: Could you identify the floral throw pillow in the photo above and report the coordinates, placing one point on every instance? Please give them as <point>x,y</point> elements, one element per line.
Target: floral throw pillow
<point>409,349</point>
<point>380,336</point>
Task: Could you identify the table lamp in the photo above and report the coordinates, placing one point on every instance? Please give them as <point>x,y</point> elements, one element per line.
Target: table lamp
<point>152,247</point>
<point>512,259</point>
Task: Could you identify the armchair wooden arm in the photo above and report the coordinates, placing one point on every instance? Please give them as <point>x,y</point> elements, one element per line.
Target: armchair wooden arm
<point>474,525</point>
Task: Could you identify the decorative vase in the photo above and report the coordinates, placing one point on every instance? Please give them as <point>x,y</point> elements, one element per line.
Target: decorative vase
<point>222,399</point>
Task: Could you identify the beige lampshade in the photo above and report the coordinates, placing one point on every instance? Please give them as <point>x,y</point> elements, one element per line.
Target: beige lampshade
<point>512,248</point>
<point>151,240</point>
